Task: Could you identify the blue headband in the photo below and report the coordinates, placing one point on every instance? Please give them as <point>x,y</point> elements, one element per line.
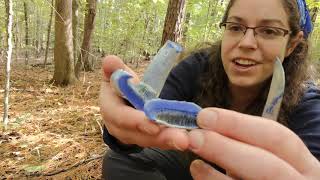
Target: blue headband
<point>305,20</point>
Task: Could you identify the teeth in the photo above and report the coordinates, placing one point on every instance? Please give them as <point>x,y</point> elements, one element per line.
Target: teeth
<point>245,62</point>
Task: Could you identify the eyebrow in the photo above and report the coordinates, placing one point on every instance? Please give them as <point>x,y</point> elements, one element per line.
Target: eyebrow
<point>263,21</point>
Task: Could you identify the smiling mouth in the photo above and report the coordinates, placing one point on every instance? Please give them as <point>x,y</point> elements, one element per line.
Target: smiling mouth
<point>244,62</point>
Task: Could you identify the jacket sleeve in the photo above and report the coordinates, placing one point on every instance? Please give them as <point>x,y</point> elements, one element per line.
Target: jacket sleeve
<point>305,121</point>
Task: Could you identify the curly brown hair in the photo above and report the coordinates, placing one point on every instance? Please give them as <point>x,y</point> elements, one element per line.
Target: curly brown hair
<point>215,92</point>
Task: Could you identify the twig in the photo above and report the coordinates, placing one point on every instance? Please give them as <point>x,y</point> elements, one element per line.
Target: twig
<point>101,129</point>
<point>15,89</point>
<point>56,11</point>
<point>67,169</point>
<point>88,88</point>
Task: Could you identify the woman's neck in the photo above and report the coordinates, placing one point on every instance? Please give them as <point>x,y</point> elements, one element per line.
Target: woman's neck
<point>242,97</point>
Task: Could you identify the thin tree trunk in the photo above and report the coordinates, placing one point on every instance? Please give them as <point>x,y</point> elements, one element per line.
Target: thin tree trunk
<point>313,14</point>
<point>75,19</point>
<point>37,35</point>
<point>172,29</point>
<point>48,35</point>
<point>207,21</point>
<point>63,46</point>
<point>186,28</point>
<point>25,5</point>
<point>83,60</point>
<point>104,26</point>
<point>9,10</point>
<point>213,17</point>
<point>16,40</point>
<point>100,40</point>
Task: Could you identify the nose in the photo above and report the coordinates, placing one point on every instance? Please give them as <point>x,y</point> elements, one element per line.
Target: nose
<point>248,40</point>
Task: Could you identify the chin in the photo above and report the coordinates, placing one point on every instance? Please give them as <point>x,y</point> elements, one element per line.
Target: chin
<point>245,83</point>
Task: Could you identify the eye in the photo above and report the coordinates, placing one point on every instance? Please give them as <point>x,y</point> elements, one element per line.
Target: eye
<point>269,31</point>
<point>234,27</point>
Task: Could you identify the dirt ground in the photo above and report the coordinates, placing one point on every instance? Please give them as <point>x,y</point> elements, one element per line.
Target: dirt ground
<point>54,132</point>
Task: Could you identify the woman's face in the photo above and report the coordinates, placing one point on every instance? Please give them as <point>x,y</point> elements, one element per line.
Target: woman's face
<point>248,58</point>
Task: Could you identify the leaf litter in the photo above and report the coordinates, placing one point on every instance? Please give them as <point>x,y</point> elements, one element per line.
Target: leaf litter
<point>54,132</point>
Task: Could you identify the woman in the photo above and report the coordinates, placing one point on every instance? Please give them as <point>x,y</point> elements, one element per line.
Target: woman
<point>233,74</point>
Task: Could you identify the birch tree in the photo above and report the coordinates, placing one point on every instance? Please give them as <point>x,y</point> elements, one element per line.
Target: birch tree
<point>9,12</point>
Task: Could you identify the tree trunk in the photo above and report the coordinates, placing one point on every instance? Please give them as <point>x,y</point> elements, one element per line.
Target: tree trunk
<point>205,37</point>
<point>16,40</point>
<point>9,11</point>
<point>186,28</point>
<point>75,19</point>
<point>63,46</point>
<point>213,17</point>
<point>313,14</point>
<point>37,35</point>
<point>83,60</point>
<point>172,29</point>
<point>25,5</point>
<point>48,35</point>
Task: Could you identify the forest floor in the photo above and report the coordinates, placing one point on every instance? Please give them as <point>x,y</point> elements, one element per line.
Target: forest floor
<point>54,132</point>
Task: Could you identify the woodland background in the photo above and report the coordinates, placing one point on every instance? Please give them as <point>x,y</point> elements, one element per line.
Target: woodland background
<point>53,126</point>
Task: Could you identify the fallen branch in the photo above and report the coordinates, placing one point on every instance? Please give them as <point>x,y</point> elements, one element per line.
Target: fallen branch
<point>67,169</point>
<point>17,90</point>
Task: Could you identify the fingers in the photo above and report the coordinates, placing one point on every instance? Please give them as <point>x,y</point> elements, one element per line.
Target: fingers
<point>169,138</point>
<point>116,113</point>
<point>257,131</point>
<point>174,138</point>
<point>202,171</point>
<point>110,64</point>
<point>238,158</point>
<point>113,108</point>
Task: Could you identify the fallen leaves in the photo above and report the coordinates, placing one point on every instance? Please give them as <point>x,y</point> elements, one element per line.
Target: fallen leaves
<point>51,128</point>
<point>53,131</point>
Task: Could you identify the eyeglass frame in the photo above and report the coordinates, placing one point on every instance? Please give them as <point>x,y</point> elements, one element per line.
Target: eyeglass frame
<point>285,31</point>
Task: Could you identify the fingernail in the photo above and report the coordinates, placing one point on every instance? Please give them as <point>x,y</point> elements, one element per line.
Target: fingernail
<point>196,139</point>
<point>199,166</point>
<point>207,119</point>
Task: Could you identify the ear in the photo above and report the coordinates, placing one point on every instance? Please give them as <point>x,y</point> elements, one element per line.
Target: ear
<point>292,44</point>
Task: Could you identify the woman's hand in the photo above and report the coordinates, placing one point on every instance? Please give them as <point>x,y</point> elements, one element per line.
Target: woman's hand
<point>129,125</point>
<point>249,147</point>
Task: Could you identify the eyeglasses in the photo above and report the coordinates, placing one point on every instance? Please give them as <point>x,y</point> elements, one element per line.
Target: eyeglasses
<point>265,32</point>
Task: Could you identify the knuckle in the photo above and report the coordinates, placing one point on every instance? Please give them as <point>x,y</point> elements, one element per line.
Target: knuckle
<point>118,122</point>
<point>111,120</point>
<point>286,139</point>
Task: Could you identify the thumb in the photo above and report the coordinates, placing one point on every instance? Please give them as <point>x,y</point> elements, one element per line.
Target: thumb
<point>112,63</point>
